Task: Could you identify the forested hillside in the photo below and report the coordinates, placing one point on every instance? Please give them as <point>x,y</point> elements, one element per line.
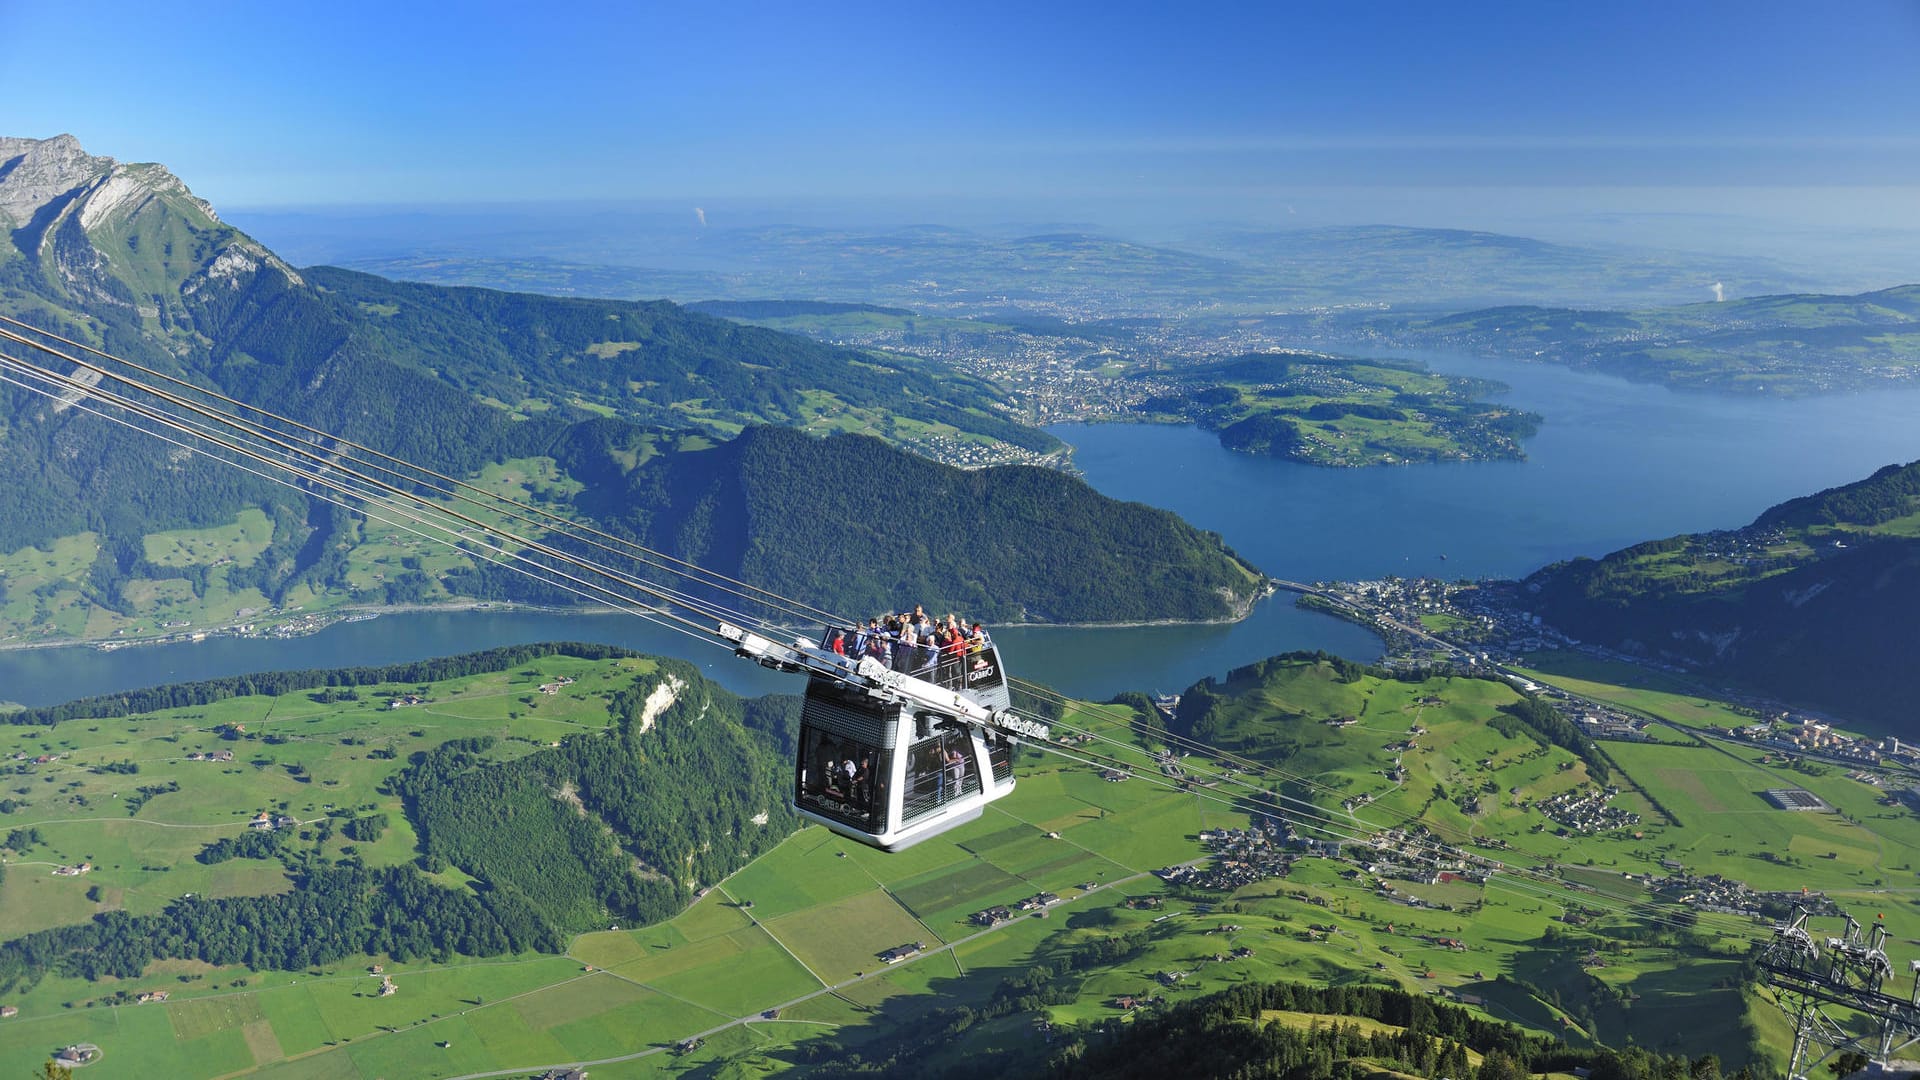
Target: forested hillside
<point>124,258</point>
<point>657,363</point>
<point>1814,602</point>
<point>509,844</point>
<point>1227,1034</point>
<point>676,795</point>
<point>861,528</point>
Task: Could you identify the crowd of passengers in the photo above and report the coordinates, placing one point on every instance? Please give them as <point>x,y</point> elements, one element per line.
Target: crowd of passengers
<point>844,770</point>
<point>916,643</point>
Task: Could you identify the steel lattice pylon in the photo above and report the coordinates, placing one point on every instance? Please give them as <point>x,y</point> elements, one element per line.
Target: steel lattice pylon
<point>1831,989</point>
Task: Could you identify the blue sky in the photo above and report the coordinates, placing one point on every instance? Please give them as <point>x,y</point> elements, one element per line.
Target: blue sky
<point>1228,106</point>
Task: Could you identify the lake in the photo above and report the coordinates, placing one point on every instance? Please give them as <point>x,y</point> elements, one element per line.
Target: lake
<point>1614,463</point>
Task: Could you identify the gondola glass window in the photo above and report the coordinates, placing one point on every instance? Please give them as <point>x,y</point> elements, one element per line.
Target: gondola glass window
<point>844,778</point>
<point>939,770</point>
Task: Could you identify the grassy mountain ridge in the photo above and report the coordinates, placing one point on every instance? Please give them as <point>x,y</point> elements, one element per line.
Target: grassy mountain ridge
<point>1781,344</point>
<point>1813,602</point>
<point>651,362</point>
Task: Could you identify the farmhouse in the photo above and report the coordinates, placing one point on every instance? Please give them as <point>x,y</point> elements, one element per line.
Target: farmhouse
<point>9,1011</point>
<point>992,916</point>
<point>76,1055</point>
<point>902,952</point>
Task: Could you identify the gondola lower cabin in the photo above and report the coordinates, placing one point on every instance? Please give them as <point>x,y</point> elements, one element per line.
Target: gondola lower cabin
<point>891,757</point>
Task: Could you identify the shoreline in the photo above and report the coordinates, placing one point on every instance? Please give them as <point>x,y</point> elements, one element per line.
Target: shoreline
<point>336,616</point>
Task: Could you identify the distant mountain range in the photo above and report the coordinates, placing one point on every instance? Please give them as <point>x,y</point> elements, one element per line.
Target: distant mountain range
<point>1789,344</point>
<point>956,271</point>
<point>125,258</point>
<point>1816,602</point>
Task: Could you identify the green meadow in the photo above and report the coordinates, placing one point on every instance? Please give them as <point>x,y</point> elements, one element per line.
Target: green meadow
<point>799,931</point>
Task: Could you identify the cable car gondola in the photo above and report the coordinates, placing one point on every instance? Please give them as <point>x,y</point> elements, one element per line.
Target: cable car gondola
<point>888,757</point>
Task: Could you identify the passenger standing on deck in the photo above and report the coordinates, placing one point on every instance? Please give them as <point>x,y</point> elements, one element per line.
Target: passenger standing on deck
<point>952,648</point>
<point>903,657</point>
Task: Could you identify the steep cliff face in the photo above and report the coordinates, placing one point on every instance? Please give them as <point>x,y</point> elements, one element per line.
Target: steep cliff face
<point>123,243</point>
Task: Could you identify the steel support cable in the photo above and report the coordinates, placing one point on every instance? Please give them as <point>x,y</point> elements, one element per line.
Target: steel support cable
<point>370,507</point>
<point>496,532</point>
<point>1551,890</point>
<point>314,451</point>
<point>1310,816</point>
<point>453,533</point>
<point>711,578</point>
<point>1183,742</point>
<point>1205,751</point>
<point>1192,745</point>
<point>662,594</point>
<point>1528,881</point>
<point>326,457</point>
<point>1359,829</point>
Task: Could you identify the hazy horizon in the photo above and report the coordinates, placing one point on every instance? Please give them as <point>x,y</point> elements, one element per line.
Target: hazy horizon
<point>1136,118</point>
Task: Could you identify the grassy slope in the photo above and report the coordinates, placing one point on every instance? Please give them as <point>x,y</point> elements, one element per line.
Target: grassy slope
<point>1811,603</point>
<point>1405,413</point>
<point>822,907</point>
<point>43,600</point>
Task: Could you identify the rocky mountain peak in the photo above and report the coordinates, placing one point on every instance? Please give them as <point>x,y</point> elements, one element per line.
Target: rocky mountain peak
<point>126,236</point>
<point>36,173</point>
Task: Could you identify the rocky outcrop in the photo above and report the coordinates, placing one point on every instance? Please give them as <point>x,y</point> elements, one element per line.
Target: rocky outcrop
<point>129,237</point>
<point>39,173</point>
